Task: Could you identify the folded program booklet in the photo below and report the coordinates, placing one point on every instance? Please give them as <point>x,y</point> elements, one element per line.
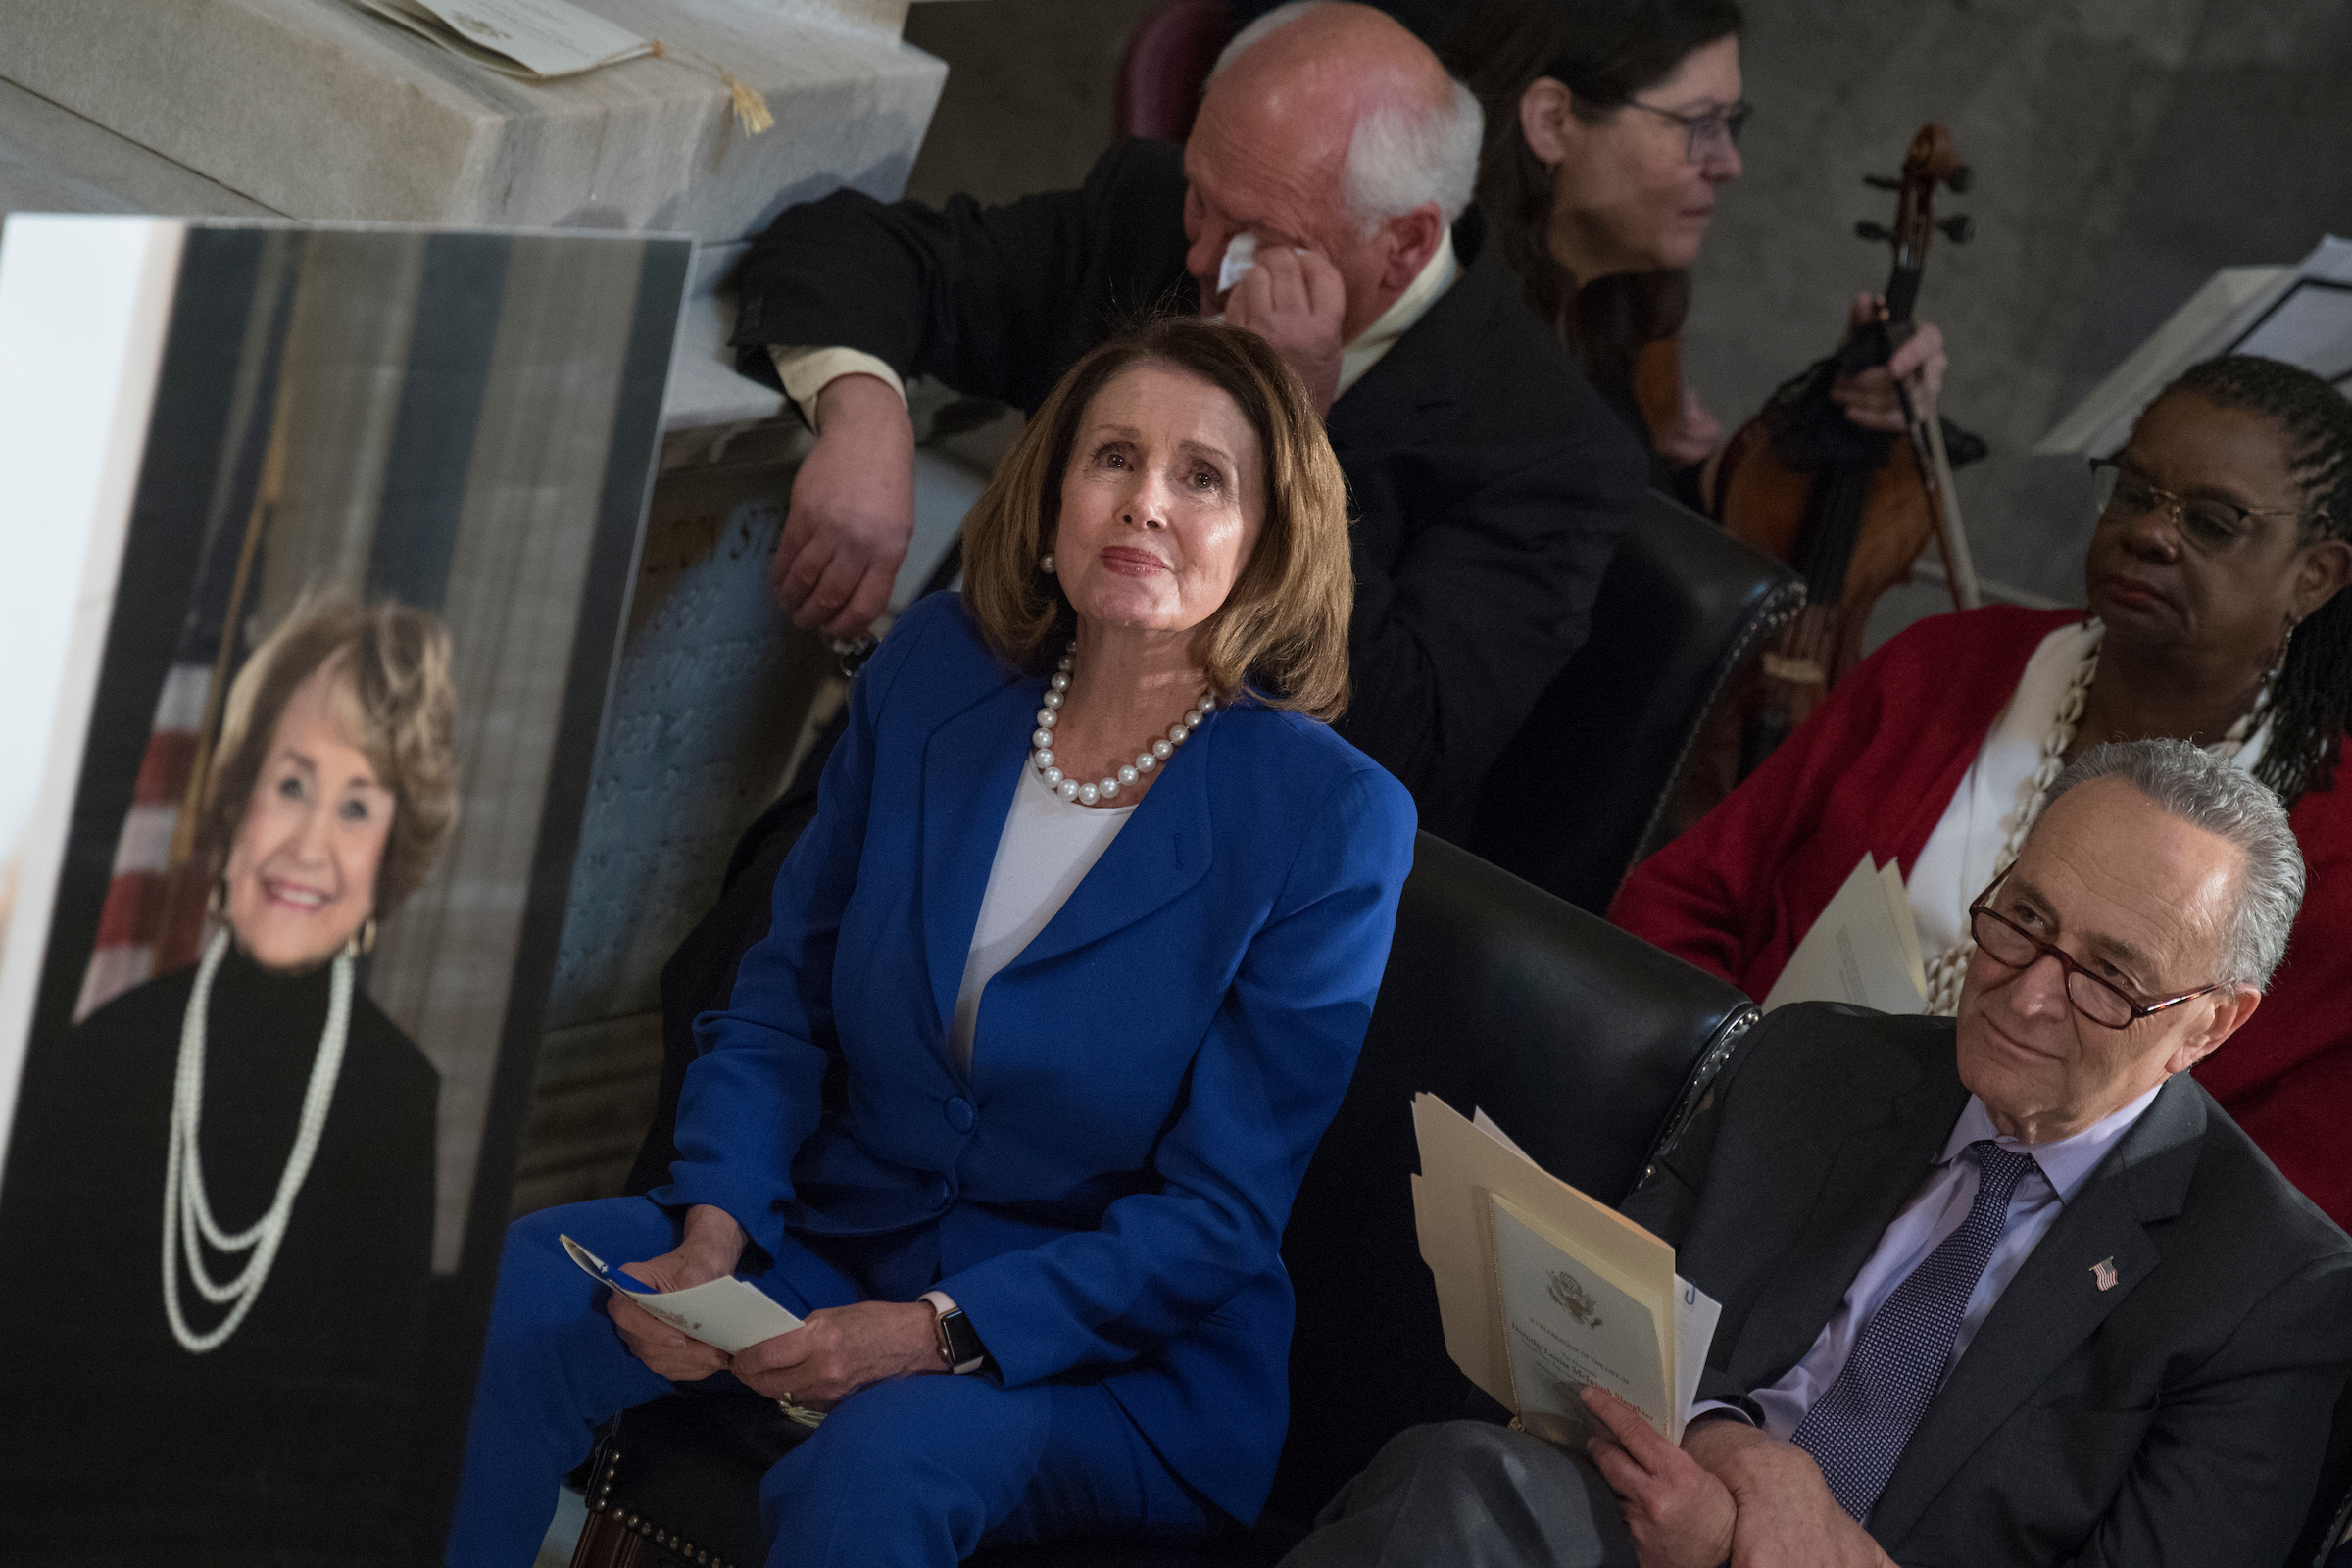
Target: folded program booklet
<point>1863,949</point>
<point>1542,1290</point>
<point>728,1313</point>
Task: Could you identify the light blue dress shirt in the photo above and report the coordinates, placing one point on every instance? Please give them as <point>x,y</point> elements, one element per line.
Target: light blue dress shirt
<point>1941,1204</point>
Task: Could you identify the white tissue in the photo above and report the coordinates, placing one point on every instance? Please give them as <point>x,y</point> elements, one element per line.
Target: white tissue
<point>1240,257</point>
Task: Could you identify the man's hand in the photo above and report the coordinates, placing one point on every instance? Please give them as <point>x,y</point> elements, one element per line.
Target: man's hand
<point>1786,1517</point>
<point>838,1350</point>
<point>1678,1515</point>
<point>1869,399</point>
<point>853,510</point>
<point>710,1250</point>
<point>1297,302</point>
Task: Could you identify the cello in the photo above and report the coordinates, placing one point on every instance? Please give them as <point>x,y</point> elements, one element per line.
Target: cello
<point>1849,508</point>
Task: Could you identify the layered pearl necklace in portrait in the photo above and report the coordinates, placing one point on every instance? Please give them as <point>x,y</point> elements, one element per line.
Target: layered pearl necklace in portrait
<point>1949,968</point>
<point>187,1212</point>
<point>1105,789</point>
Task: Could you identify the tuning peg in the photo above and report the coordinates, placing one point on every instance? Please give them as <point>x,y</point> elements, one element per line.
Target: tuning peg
<point>1866,229</point>
<point>1881,182</point>
<point>1959,229</point>
<point>1959,179</point>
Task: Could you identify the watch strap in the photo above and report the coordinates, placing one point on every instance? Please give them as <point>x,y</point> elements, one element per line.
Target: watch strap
<point>960,1344</point>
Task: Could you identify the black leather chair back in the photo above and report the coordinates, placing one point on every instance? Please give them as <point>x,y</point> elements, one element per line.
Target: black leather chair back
<point>1579,796</point>
<point>1588,1045</point>
<point>1583,1043</point>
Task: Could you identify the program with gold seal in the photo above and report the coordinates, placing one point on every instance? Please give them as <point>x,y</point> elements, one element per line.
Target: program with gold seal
<point>1542,1290</point>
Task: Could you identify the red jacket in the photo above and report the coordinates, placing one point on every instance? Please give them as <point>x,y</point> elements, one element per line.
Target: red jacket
<point>1874,768</point>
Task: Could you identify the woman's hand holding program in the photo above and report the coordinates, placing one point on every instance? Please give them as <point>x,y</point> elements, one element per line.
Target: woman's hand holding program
<point>710,1248</point>
<point>838,1350</point>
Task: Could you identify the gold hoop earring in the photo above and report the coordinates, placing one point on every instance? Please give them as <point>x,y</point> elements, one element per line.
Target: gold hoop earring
<point>362,941</point>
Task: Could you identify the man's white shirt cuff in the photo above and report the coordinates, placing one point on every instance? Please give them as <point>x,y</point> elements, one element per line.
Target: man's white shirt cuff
<point>804,373</point>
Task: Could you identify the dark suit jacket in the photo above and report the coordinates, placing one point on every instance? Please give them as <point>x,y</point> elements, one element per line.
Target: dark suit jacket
<point>1489,480</point>
<point>2178,1417</point>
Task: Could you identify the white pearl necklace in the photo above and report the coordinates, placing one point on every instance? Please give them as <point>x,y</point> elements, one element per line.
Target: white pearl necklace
<point>187,1212</point>
<point>1108,788</point>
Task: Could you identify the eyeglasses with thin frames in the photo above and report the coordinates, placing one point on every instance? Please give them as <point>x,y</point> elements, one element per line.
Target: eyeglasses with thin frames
<point>2012,946</point>
<point>1712,133</point>
<point>2209,523</point>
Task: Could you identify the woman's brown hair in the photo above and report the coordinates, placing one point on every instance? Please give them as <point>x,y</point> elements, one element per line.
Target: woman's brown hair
<point>1282,632</point>
<point>1603,52</point>
<point>398,703</point>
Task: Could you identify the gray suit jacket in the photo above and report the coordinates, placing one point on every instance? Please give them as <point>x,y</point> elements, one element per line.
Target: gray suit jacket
<point>2176,1417</point>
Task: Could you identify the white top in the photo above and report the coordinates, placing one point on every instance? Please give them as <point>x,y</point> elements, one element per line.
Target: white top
<point>1957,861</point>
<point>1048,846</point>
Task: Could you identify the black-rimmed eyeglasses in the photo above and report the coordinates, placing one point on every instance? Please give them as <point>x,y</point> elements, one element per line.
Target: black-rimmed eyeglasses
<point>1711,134</point>
<point>2012,946</point>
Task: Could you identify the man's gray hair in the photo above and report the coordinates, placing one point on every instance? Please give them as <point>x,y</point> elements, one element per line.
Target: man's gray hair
<point>2190,784</point>
<point>1397,158</point>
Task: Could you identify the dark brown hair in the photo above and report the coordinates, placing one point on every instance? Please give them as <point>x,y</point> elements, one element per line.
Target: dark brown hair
<point>1283,630</point>
<point>394,660</point>
<point>1603,52</point>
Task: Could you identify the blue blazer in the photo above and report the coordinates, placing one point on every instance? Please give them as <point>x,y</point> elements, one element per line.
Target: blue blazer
<point>1105,1192</point>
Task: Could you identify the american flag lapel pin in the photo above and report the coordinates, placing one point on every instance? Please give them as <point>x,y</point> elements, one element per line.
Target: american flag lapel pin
<point>2104,1272</point>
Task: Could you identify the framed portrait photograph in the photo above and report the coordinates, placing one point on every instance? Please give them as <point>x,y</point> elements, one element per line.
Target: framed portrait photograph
<point>319,546</point>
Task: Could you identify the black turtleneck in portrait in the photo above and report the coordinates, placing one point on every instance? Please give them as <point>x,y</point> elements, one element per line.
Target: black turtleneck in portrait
<point>284,1443</point>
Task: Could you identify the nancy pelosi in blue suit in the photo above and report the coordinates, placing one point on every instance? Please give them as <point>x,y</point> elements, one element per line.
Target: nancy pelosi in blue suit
<point>1011,1102</point>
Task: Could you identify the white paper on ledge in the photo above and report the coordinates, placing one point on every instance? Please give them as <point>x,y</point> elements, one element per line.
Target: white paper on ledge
<point>535,39</point>
<point>2300,314</point>
<point>728,1313</point>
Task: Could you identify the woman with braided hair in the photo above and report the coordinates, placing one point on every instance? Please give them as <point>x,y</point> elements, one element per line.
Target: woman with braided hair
<point>2224,537</point>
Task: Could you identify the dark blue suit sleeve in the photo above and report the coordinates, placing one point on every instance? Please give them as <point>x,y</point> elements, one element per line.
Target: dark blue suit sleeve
<point>1265,1083</point>
<point>755,1093</point>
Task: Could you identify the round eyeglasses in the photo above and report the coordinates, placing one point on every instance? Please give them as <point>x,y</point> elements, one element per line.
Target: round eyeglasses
<point>2012,946</point>
<point>2209,523</point>
<point>1710,133</point>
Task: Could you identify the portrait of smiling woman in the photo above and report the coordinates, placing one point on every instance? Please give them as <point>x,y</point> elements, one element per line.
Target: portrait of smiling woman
<point>255,1123</point>
<point>1063,984</point>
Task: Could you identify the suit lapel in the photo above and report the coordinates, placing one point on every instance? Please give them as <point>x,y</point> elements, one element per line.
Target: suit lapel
<point>2053,1303</point>
<point>1162,850</point>
<point>1426,368</point>
<point>1876,1170</point>
<point>972,766</point>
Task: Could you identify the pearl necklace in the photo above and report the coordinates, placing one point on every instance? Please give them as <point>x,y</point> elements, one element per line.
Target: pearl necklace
<point>1104,789</point>
<point>187,1212</point>
<point>1949,968</point>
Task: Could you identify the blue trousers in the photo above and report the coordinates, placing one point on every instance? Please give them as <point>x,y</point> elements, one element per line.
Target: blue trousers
<point>919,1470</point>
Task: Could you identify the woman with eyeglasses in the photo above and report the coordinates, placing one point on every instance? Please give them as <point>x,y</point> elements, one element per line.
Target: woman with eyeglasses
<point>1611,127</point>
<point>2224,537</point>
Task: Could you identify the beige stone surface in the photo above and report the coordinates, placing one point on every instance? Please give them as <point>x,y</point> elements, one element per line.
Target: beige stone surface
<point>317,110</point>
<point>54,161</point>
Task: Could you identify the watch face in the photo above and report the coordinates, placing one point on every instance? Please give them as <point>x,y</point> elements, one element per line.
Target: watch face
<point>963,1341</point>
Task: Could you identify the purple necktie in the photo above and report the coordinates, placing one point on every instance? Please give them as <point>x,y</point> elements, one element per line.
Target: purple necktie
<point>1856,1431</point>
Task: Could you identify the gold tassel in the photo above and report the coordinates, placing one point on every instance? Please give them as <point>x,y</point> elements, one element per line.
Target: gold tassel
<point>751,109</point>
